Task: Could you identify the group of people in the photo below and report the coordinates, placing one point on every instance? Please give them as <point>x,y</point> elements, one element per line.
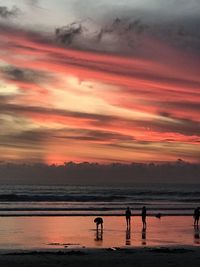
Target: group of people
<point>99,220</point>
<point>128,217</point>
<point>128,214</point>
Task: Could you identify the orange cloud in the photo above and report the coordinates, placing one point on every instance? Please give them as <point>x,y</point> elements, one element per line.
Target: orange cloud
<point>153,100</point>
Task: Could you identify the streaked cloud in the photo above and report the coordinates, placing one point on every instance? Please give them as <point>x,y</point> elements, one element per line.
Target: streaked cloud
<point>122,89</point>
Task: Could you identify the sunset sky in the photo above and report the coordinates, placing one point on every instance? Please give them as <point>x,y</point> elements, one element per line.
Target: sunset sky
<point>99,81</point>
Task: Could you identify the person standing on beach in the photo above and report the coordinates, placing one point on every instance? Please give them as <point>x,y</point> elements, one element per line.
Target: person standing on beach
<point>196,216</point>
<point>128,217</point>
<point>144,215</point>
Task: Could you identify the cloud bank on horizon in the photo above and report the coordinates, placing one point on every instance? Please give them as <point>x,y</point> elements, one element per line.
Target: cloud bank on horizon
<point>108,81</point>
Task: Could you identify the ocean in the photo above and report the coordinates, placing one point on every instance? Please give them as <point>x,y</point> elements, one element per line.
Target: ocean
<point>98,200</point>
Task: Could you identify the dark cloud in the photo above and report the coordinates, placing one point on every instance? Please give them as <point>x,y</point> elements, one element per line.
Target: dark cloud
<point>124,28</point>
<point>7,13</point>
<point>33,35</point>
<point>174,22</point>
<point>66,34</point>
<point>31,139</point>
<point>182,33</point>
<point>81,34</point>
<point>19,109</point>
<point>171,124</point>
<point>5,98</point>
<point>126,36</point>
<point>183,126</point>
<point>181,105</point>
<point>24,75</point>
<point>130,35</point>
<point>32,136</point>
<point>36,138</point>
<point>92,135</point>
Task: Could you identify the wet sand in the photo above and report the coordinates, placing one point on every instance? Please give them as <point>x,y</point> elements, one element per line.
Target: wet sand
<point>77,232</point>
<point>73,241</point>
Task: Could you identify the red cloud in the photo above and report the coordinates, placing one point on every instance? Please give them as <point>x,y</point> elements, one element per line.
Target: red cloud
<point>154,85</point>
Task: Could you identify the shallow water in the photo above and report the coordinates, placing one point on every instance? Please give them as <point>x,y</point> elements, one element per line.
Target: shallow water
<point>61,232</point>
<point>89,200</point>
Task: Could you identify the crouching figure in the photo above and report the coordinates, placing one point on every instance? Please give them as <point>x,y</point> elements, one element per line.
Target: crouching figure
<point>99,221</point>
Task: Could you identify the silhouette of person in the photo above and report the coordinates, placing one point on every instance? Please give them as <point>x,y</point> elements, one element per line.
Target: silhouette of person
<point>99,221</point>
<point>196,216</point>
<point>143,235</point>
<point>128,236</point>
<point>144,215</point>
<point>128,217</point>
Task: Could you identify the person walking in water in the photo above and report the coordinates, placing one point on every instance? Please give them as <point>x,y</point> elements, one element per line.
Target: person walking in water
<point>144,215</point>
<point>128,217</point>
<point>196,216</point>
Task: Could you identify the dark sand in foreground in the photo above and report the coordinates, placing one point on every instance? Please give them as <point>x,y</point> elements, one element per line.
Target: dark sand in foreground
<point>168,256</point>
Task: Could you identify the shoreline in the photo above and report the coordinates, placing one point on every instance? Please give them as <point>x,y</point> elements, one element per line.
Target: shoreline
<point>74,248</point>
<point>91,215</point>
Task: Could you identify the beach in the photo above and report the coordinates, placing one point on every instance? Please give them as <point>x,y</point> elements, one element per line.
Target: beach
<point>54,226</point>
<point>61,232</point>
<point>74,241</point>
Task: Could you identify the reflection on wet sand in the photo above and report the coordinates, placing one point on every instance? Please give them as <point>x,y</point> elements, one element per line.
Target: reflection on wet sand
<point>39,232</point>
<point>196,235</point>
<point>144,236</point>
<point>99,235</point>
<point>128,236</point>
